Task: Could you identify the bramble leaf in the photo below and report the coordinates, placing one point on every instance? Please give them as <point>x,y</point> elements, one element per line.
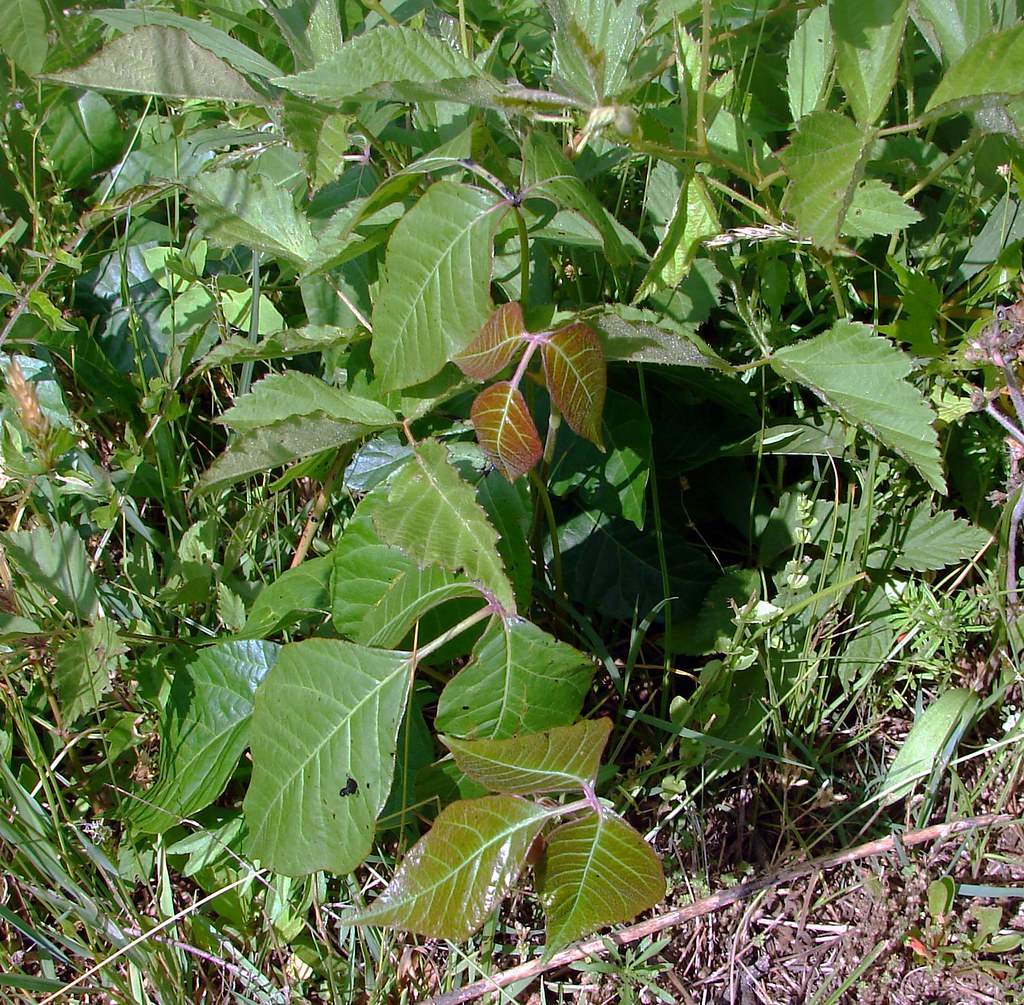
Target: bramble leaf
<point>576,376</point>
<point>505,429</point>
<point>987,75</point>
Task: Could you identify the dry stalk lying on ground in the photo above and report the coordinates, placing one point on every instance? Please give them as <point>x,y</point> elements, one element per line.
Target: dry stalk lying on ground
<point>716,902</point>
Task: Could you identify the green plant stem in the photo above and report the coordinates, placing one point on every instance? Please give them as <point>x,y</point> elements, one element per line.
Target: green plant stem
<point>463,33</point>
<point>454,632</point>
<point>524,260</point>
<point>542,496</point>
<point>705,73</point>
<point>341,458</point>
<point>837,291</point>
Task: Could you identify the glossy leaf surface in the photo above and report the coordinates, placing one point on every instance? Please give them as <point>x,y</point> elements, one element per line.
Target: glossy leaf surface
<point>576,376</point>
<point>558,760</point>
<point>456,874</point>
<point>505,429</point>
<point>323,737</point>
<point>495,345</point>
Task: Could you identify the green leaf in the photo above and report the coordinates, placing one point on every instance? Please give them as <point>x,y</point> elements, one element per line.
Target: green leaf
<point>989,74</point>
<point>693,219</point>
<point>868,38</point>
<point>161,61</point>
<point>23,34</point>
<point>288,342</point>
<point>204,732</point>
<point>824,162</point>
<point>54,564</point>
<point>630,334</point>
<point>861,376</point>
<point>877,209</point>
<point>940,726</point>
<point>434,517</point>
<point>596,871</point>
<point>322,136</point>
<point>295,594</point>
<point>549,174</point>
<point>505,429</point>
<point>278,443</point>
<point>435,290</point>
<point>561,759</point>
<point>458,872</point>
<point>495,345</point>
<point>391,55</point>
<point>83,136</point>
<point>935,540</point>
<point>809,61</point>
<point>576,377</point>
<point>283,395</point>
<point>323,736</point>
<point>243,207</point>
<point>952,25</point>
<point>220,43</point>
<point>510,511</point>
<point>83,666</point>
<point>520,680</point>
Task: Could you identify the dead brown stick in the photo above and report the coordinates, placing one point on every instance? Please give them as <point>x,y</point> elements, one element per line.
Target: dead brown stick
<point>723,898</point>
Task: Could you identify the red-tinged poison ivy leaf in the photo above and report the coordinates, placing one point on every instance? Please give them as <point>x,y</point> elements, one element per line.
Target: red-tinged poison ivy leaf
<point>596,871</point>
<point>577,379</point>
<point>458,872</point>
<point>506,430</point>
<point>558,760</point>
<point>495,344</point>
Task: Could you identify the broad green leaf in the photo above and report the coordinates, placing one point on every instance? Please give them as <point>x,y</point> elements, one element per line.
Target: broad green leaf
<point>458,872</point>
<point>576,377</point>
<point>596,871</point>
<point>220,43</point>
<point>277,345</point>
<point>631,334</point>
<point>243,207</point>
<point>920,305</point>
<point>83,666</point>
<point>54,565</point>
<point>824,162</point>
<point>23,34</point>
<point>323,738</point>
<point>161,61</point>
<point>392,55</point>
<point>952,25</point>
<point>861,376</point>
<point>868,38</point>
<point>561,759</point>
<point>510,511</point>
<point>505,429</point>
<point>520,680</point>
<point>83,136</point>
<point>877,209</point>
<point>549,174</point>
<point>940,725</point>
<point>433,516</point>
<point>989,74</point>
<point>295,594</point>
<point>693,219</point>
<point>495,345</point>
<point>935,540</point>
<point>435,290</point>
<point>283,395</point>
<point>809,64</point>
<point>321,135</point>
<point>204,732</point>
<point>278,443</point>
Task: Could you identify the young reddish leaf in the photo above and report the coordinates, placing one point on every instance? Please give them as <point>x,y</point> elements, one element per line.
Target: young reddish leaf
<point>458,872</point>
<point>558,760</point>
<point>576,377</point>
<point>505,429</point>
<point>596,871</point>
<point>495,344</point>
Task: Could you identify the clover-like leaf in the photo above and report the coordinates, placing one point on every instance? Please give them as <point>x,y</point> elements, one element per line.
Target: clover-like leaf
<point>558,760</point>
<point>505,429</point>
<point>577,377</point>
<point>458,872</point>
<point>596,871</point>
<point>495,345</point>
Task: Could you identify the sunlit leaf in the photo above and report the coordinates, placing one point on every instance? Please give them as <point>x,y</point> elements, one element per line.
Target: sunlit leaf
<point>505,429</point>
<point>23,34</point>
<point>576,376</point>
<point>558,760</point>
<point>807,67</point>
<point>952,25</point>
<point>521,680</point>
<point>435,290</point>
<point>990,73</point>
<point>495,345</point>
<point>935,540</point>
<point>433,516</point>
<point>323,736</point>
<point>83,666</point>
<point>295,594</point>
<point>596,871</point>
<point>456,874</point>
<point>877,209</point>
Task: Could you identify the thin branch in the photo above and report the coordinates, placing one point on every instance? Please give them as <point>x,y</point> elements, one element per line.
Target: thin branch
<point>717,901</point>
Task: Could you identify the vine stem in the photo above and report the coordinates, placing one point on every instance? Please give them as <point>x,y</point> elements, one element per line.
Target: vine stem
<point>319,505</point>
<point>716,902</point>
